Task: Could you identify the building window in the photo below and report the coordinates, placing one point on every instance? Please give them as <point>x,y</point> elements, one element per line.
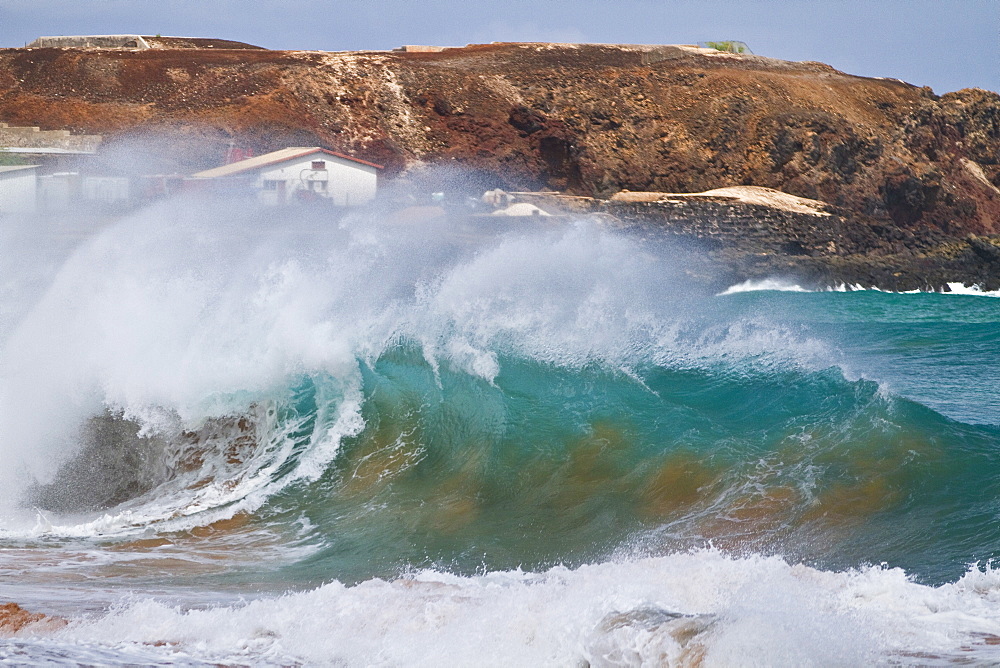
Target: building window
<point>270,184</point>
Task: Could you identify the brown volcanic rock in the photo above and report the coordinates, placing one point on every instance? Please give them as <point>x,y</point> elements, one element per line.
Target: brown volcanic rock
<point>14,619</point>
<point>587,119</point>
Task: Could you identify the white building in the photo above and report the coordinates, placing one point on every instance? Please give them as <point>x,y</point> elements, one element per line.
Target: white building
<point>18,189</point>
<point>301,174</point>
<point>59,191</point>
<point>105,189</point>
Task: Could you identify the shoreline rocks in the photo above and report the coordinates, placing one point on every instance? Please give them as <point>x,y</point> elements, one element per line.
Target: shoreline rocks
<point>822,248</point>
<point>14,620</point>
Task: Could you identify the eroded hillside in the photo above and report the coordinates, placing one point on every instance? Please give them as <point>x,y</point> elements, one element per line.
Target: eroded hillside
<point>586,119</point>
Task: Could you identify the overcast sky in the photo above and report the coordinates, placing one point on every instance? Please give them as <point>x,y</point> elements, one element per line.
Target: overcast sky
<point>945,44</point>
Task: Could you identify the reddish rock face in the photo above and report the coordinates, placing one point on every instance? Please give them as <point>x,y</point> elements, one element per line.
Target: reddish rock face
<point>588,119</point>
<point>14,618</point>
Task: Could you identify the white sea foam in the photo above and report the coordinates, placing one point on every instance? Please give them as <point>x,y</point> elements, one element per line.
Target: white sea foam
<point>789,285</point>
<point>962,289</point>
<point>671,610</point>
<point>764,284</point>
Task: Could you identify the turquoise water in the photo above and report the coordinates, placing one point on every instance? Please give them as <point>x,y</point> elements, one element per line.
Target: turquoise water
<point>355,444</point>
<point>547,465</point>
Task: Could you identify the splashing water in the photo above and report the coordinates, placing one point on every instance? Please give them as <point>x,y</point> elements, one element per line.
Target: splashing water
<point>498,443</point>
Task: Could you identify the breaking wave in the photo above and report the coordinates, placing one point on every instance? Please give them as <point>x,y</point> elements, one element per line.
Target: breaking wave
<point>528,443</point>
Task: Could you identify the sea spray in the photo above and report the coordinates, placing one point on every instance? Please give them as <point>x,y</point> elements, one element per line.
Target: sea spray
<point>175,316</point>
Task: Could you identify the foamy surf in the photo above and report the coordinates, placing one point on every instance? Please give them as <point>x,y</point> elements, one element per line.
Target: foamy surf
<point>762,285</point>
<point>789,285</point>
<point>701,608</point>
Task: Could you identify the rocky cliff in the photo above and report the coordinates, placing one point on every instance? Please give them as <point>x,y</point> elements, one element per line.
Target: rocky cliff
<point>909,170</point>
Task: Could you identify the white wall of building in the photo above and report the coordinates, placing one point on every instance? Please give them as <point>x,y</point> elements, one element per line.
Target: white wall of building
<point>58,192</point>
<point>18,191</point>
<point>107,189</point>
<point>346,182</point>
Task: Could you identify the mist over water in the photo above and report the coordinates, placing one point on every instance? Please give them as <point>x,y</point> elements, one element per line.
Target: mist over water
<point>190,311</point>
<point>544,437</point>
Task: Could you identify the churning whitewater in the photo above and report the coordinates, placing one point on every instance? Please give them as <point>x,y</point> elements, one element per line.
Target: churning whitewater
<point>232,437</point>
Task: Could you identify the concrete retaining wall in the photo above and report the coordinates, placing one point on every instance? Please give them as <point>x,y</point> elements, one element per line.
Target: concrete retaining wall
<point>31,137</point>
<point>99,41</point>
<point>741,225</point>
